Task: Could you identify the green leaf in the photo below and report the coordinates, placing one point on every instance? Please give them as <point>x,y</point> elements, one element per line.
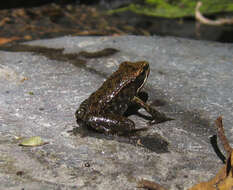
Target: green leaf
<point>177,8</point>
<point>32,141</point>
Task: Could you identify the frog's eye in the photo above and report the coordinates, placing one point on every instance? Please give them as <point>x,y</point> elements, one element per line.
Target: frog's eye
<point>143,74</point>
<point>146,67</point>
<point>141,77</point>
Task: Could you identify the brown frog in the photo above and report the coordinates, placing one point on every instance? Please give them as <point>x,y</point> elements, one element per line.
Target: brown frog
<point>105,108</point>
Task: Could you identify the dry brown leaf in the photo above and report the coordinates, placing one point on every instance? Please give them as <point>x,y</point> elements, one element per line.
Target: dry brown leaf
<point>222,181</point>
<point>149,185</point>
<point>7,40</point>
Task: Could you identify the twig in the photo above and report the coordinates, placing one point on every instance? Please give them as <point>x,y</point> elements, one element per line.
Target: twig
<point>149,185</point>
<point>204,20</point>
<point>222,136</point>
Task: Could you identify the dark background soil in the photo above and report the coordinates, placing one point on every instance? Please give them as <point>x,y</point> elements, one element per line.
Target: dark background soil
<point>23,20</point>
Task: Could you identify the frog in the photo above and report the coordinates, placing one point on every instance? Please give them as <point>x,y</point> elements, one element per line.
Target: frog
<point>104,110</point>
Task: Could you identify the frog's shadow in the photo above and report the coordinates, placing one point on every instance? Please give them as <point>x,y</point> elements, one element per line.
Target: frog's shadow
<point>154,142</point>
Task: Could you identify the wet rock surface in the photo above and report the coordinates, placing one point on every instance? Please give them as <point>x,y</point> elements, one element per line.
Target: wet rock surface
<point>41,88</point>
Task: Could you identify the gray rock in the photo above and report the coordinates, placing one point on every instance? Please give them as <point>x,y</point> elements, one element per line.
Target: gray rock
<point>190,81</point>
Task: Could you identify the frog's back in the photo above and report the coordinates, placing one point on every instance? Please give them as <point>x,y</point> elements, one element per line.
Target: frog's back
<point>110,93</point>
<point>116,92</point>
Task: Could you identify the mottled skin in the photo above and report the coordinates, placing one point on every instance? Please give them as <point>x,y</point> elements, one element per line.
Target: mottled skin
<point>104,109</point>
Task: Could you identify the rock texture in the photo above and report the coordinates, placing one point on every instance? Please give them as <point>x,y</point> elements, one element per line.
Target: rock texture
<point>41,88</point>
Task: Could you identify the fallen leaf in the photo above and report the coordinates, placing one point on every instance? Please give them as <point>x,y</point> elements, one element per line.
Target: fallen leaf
<point>7,40</point>
<point>149,185</point>
<point>32,141</point>
<point>222,181</point>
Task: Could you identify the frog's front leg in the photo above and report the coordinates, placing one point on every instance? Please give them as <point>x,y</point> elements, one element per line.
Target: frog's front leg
<point>133,107</point>
<point>111,124</point>
<point>158,117</point>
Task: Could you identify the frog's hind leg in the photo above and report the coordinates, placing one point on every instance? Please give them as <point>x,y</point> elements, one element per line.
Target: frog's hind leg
<point>111,124</point>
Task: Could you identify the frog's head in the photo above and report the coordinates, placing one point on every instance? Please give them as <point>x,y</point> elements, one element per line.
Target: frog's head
<point>136,72</point>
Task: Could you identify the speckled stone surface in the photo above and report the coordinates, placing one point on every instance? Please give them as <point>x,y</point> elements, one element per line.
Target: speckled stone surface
<point>190,81</point>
